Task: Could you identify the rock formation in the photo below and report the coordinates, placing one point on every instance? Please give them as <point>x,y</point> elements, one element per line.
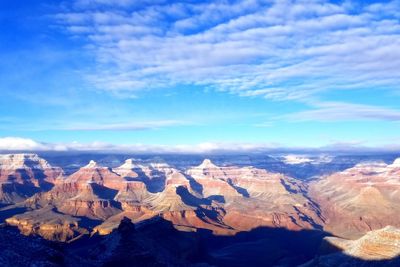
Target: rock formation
<point>49,224</point>
<point>94,173</point>
<point>360,199</point>
<point>253,197</point>
<point>376,248</point>
<point>100,203</point>
<point>22,175</point>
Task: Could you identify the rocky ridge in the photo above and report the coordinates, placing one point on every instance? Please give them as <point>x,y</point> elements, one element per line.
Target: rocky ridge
<point>360,199</point>
<point>376,248</point>
<point>23,175</point>
<point>222,199</point>
<point>225,200</point>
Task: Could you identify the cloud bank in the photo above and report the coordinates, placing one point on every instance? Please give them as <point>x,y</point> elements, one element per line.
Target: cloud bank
<point>26,144</point>
<point>280,50</point>
<point>11,144</point>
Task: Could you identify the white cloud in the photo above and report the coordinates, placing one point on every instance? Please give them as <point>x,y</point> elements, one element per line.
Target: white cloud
<point>134,126</point>
<point>26,144</point>
<point>8,144</point>
<point>337,111</point>
<point>282,50</point>
<point>18,143</point>
<point>296,159</point>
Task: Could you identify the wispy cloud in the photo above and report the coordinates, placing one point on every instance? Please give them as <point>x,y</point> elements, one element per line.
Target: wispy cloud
<point>130,126</point>
<point>264,124</point>
<point>337,111</point>
<point>274,49</point>
<point>100,124</point>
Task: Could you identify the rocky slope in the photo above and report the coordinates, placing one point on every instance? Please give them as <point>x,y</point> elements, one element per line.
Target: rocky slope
<point>225,200</point>
<point>253,197</point>
<point>363,198</point>
<point>150,245</point>
<point>155,243</point>
<point>20,251</point>
<point>242,209</point>
<point>152,173</point>
<point>94,173</point>
<point>376,248</point>
<point>48,224</point>
<point>22,175</point>
<point>72,206</point>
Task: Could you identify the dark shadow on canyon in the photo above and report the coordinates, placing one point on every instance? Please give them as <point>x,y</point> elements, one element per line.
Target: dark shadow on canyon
<point>157,243</point>
<point>155,183</point>
<point>262,246</point>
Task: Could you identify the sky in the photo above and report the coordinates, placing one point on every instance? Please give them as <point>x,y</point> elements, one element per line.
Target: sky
<point>199,75</point>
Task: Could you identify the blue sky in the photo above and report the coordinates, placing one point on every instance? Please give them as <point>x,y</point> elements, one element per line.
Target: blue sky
<point>199,75</point>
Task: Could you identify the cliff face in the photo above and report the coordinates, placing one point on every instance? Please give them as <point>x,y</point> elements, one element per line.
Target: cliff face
<point>222,199</point>
<point>228,204</point>
<point>225,200</point>
<point>152,173</point>
<point>253,197</point>
<point>357,200</point>
<point>94,173</point>
<point>27,169</point>
<point>48,224</point>
<point>23,175</point>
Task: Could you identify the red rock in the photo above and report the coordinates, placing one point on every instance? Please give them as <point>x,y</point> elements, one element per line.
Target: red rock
<point>357,200</point>
<point>22,175</point>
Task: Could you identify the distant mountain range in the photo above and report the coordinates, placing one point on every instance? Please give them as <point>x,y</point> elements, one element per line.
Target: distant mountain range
<point>233,210</point>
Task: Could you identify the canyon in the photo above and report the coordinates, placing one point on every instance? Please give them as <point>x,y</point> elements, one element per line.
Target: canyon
<point>353,207</point>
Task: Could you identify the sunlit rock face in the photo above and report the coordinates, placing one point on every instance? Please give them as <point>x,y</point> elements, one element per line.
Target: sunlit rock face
<point>22,175</point>
<point>375,248</point>
<point>360,199</point>
<point>89,192</point>
<point>379,244</point>
<point>253,197</point>
<point>83,198</point>
<point>127,169</point>
<point>153,173</point>
<point>223,199</point>
<point>134,192</point>
<point>27,168</point>
<point>220,203</point>
<point>103,195</point>
<point>48,224</point>
<point>94,173</point>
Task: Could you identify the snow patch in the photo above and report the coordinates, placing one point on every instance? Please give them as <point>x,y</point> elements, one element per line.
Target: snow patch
<point>396,163</point>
